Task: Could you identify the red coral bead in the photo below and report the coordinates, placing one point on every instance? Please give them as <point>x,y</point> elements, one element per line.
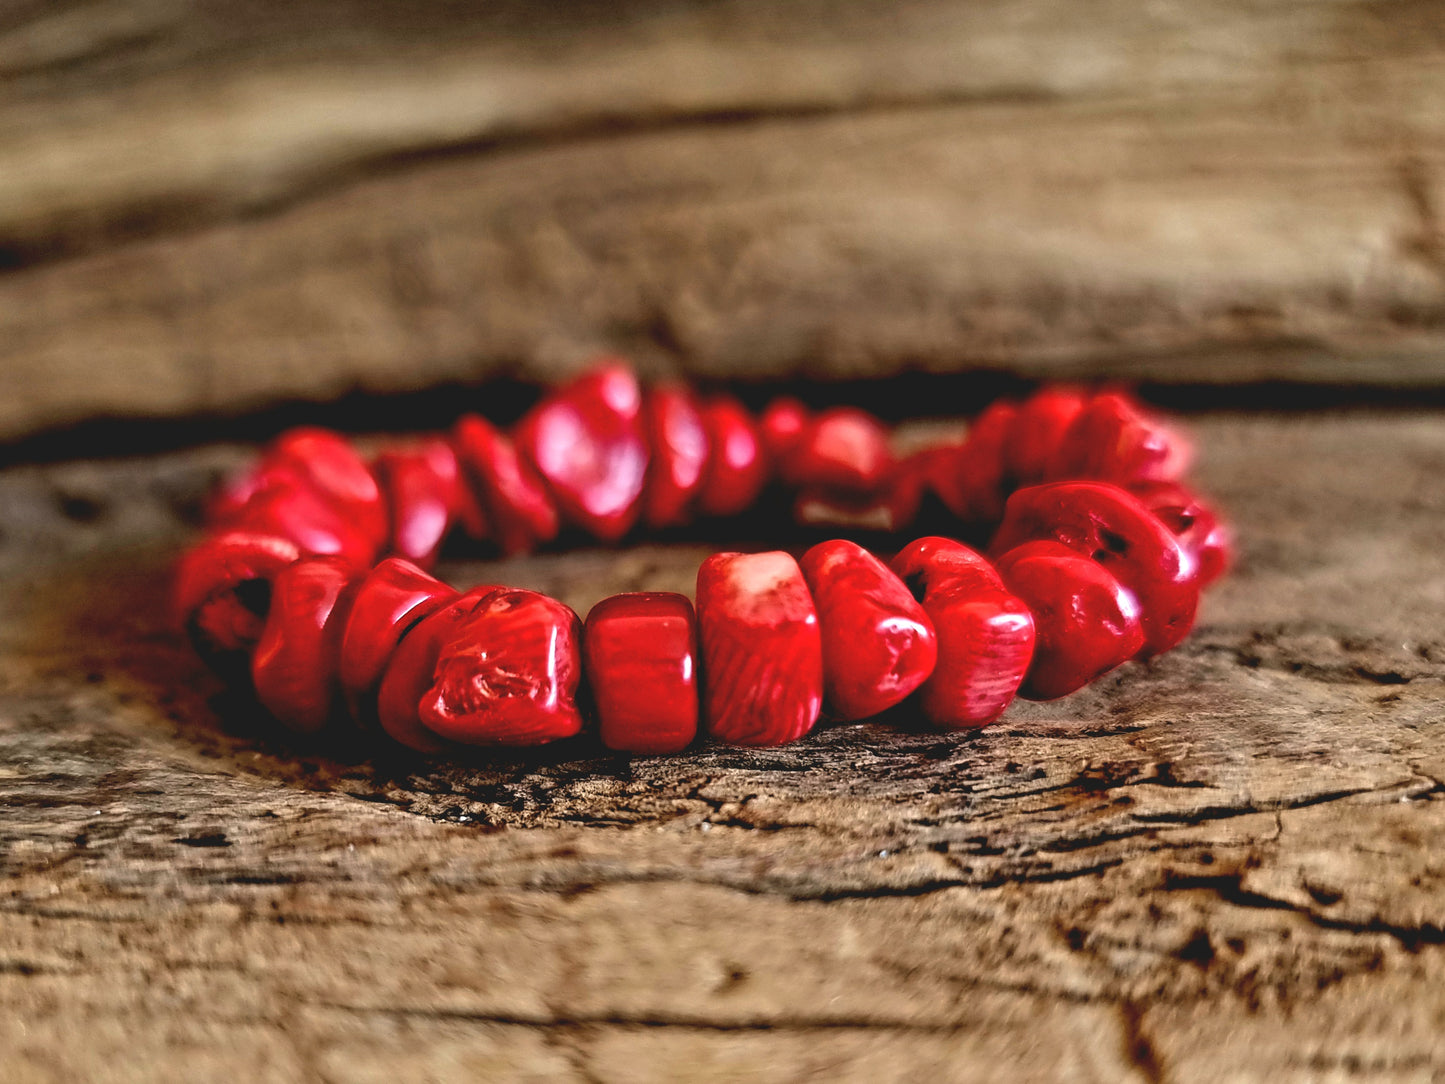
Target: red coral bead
<point>337,473</point>
<point>840,449</point>
<point>1037,431</point>
<point>520,510</point>
<point>411,671</point>
<point>421,488</point>
<point>294,669</point>
<point>231,497</point>
<point>467,511</point>
<point>640,655</point>
<point>761,648</point>
<point>781,428</point>
<point>737,468</point>
<point>1110,526</point>
<point>1086,621</point>
<point>392,599</point>
<point>678,439</point>
<point>509,675</point>
<point>308,519</point>
<point>969,477</point>
<point>1113,439</point>
<point>985,634</point>
<point>586,440</point>
<point>1199,529</point>
<point>878,644</point>
<point>931,469</point>
<point>222,591</point>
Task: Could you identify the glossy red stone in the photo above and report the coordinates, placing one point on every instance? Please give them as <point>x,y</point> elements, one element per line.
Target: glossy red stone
<point>640,655</point>
<point>678,441</point>
<point>314,524</point>
<point>520,511</point>
<point>1113,439</point>
<point>878,643</point>
<point>985,633</point>
<point>222,590</point>
<point>969,477</point>
<point>781,428</point>
<point>1198,527</point>
<point>1086,622</point>
<point>585,439</point>
<point>411,671</point>
<point>468,511</point>
<point>737,467</point>
<point>509,674</point>
<point>294,668</point>
<point>1037,430</point>
<point>238,490</point>
<point>1111,526</point>
<point>421,486</point>
<point>931,468</point>
<point>762,650</point>
<point>842,449</point>
<point>392,598</point>
<point>336,472</point>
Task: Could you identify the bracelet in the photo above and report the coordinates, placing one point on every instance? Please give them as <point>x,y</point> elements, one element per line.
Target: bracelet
<point>1099,556</point>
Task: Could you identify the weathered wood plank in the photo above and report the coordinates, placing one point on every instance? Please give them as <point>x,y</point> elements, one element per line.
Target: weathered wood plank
<point>211,212</point>
<point>142,115</point>
<point>1219,866</point>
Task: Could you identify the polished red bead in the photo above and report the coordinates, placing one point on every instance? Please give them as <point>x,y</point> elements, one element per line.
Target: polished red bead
<point>586,440</point>
<point>299,513</point>
<point>509,674</point>
<point>1111,526</point>
<point>1086,621</point>
<point>337,473</point>
<point>392,598</point>
<point>969,477</point>
<point>468,511</point>
<point>985,634</point>
<point>1198,527</point>
<point>1113,439</point>
<point>678,441</point>
<point>294,668</point>
<point>878,644</point>
<point>931,468</point>
<point>421,488</point>
<point>761,647</point>
<point>234,493</point>
<point>1037,430</point>
<point>411,671</point>
<point>521,513</point>
<point>737,467</point>
<point>781,428</point>
<point>222,590</point>
<point>842,449</point>
<point>640,654</point>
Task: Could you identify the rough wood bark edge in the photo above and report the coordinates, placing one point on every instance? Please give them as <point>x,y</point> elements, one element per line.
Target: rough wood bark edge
<point>1252,193</point>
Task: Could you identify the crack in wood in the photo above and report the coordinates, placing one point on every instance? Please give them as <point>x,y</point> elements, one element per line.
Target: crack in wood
<point>1138,1045</point>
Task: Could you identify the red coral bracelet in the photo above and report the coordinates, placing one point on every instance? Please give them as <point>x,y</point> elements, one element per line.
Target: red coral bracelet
<point>1100,553</point>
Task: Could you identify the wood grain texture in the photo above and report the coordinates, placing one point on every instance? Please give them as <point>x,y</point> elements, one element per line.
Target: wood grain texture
<point>1219,866</point>
<point>209,208</point>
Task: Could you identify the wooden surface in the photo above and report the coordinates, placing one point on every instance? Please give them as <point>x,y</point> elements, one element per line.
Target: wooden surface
<point>1223,866</point>
<point>212,207</point>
